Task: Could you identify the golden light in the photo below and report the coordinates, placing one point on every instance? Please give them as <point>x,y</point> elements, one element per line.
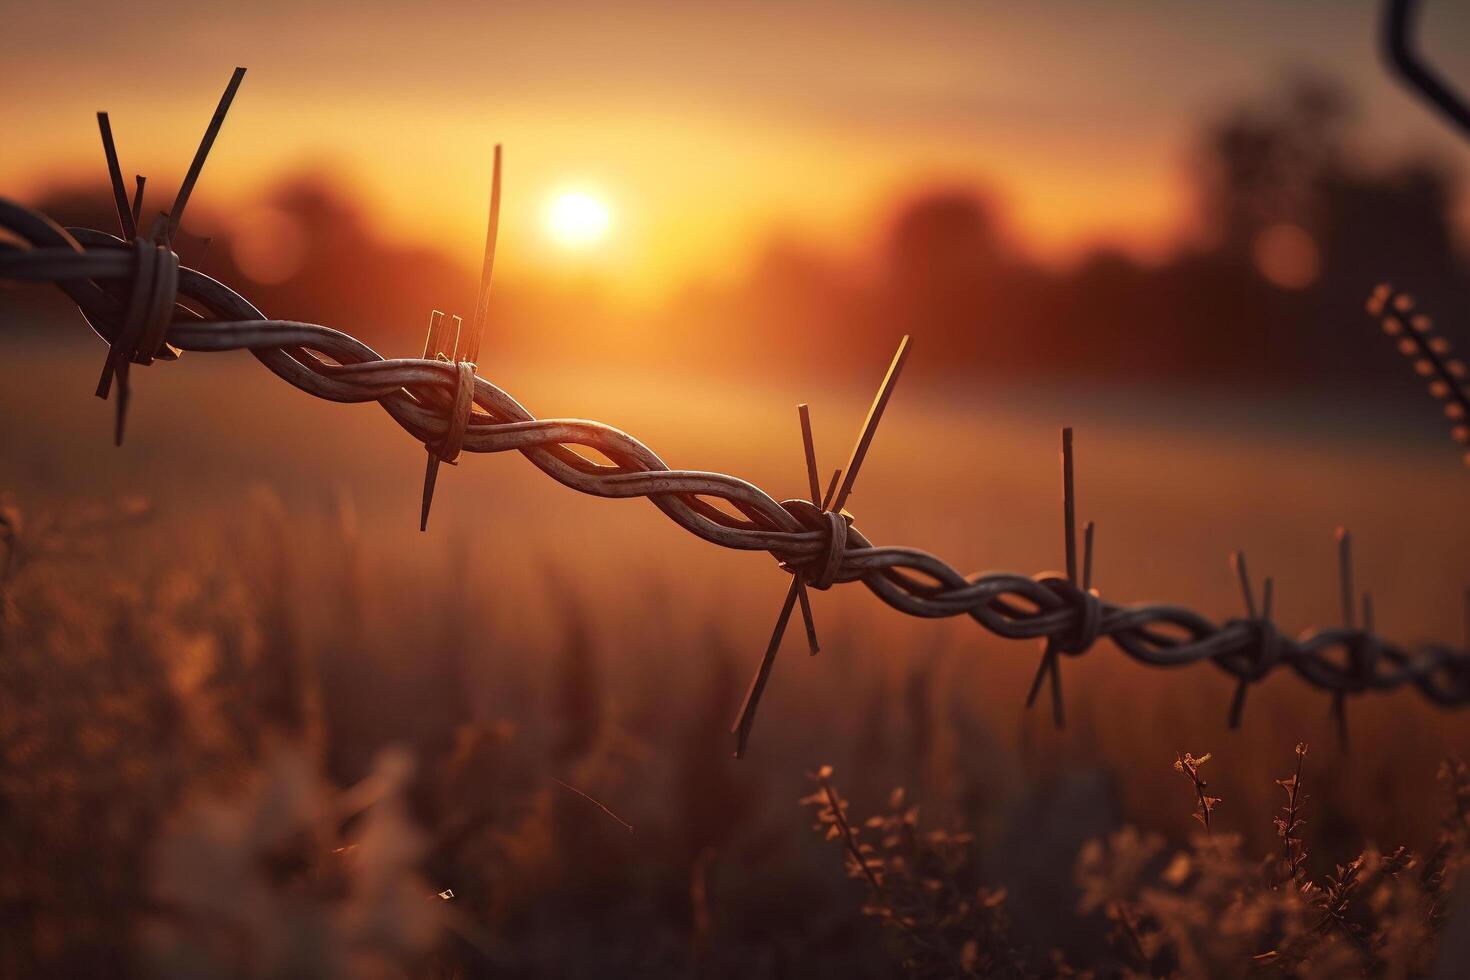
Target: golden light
<point>577,220</point>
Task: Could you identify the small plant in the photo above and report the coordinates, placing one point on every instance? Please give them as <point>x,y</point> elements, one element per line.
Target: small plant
<point>1289,824</point>
<point>1206,910</point>
<point>921,886</point>
<point>1205,805</point>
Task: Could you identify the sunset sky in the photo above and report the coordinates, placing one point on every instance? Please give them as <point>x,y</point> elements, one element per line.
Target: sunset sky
<point>700,129</point>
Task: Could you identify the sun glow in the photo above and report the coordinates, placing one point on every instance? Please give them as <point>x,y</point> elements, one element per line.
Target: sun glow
<point>577,220</point>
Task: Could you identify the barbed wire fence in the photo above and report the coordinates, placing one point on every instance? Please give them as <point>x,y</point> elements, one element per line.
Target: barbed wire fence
<point>137,296</point>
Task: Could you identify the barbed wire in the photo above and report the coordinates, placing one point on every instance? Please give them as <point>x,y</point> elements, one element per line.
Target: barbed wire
<point>147,306</point>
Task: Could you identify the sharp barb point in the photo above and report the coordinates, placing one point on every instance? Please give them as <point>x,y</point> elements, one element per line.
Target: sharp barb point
<point>1237,703</point>
<point>1036,681</point>
<point>870,426</point>
<point>176,213</point>
<point>806,616</point>
<point>746,719</point>
<point>476,337</point>
<point>139,182</point>
<point>809,447</point>
<point>431,476</point>
<point>434,339</point>
<point>1087,534</point>
<point>125,217</point>
<point>1069,506</point>
<point>832,488</point>
<point>1237,561</point>
<point>1058,716</point>
<point>120,406</point>
<point>1345,574</point>
<point>1049,669</point>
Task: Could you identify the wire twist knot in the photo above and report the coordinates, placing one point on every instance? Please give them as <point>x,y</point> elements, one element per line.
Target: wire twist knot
<point>1089,618</point>
<point>449,447</point>
<point>830,562</point>
<point>1087,609</point>
<point>1361,670</point>
<point>821,570</point>
<point>1264,652</point>
<point>147,309</point>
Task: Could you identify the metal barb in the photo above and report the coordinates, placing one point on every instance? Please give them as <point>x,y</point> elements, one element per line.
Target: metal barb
<point>870,425</point>
<point>437,343</point>
<point>798,585</point>
<point>813,648</point>
<point>431,478</point>
<point>176,213</point>
<point>1243,683</point>
<point>798,591</point>
<point>471,349</point>
<point>811,453</point>
<point>1049,667</point>
<point>1069,506</point>
<point>1237,562</point>
<point>120,403</point>
<point>809,449</point>
<point>139,181</point>
<point>125,217</point>
<point>433,344</point>
<point>451,338</point>
<point>457,345</point>
<point>1345,574</point>
<point>440,345</point>
<point>1087,556</point>
<point>831,488</point>
<point>746,718</point>
<point>1237,702</point>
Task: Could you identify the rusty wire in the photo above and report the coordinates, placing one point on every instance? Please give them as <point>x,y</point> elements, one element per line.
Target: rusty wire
<point>146,305</point>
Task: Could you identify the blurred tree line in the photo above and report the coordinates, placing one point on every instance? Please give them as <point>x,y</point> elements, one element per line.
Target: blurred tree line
<point>1295,227</point>
<point>1295,224</point>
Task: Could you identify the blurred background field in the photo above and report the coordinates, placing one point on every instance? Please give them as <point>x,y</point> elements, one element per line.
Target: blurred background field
<point>226,645</point>
<point>279,591</point>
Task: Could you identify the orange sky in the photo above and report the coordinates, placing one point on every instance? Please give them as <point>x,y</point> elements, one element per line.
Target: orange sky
<point>703,126</point>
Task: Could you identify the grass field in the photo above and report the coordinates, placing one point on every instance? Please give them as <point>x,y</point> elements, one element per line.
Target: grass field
<point>273,656</point>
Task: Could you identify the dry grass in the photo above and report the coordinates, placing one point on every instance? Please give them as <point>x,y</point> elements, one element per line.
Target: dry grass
<point>200,706</point>
<point>1206,909</point>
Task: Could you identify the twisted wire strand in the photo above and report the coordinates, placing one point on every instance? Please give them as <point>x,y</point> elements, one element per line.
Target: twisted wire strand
<point>101,273</point>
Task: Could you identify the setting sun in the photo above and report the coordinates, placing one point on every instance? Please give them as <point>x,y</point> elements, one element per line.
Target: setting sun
<point>578,220</point>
